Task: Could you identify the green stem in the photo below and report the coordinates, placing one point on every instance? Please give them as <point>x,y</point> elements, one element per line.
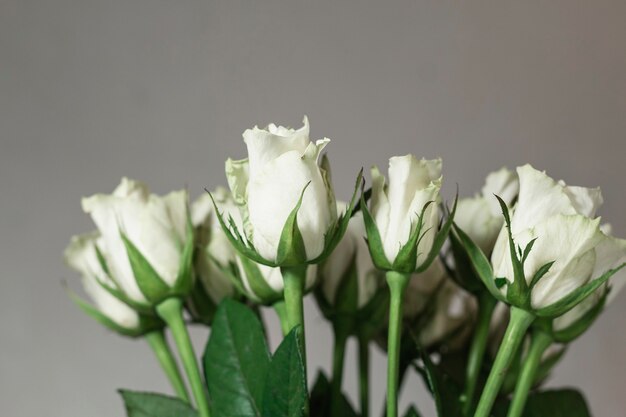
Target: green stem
<point>397,284</point>
<point>281,311</point>
<point>293,278</point>
<point>341,337</point>
<point>364,375</point>
<point>171,311</point>
<point>162,351</point>
<point>486,305</point>
<point>515,331</point>
<point>540,342</point>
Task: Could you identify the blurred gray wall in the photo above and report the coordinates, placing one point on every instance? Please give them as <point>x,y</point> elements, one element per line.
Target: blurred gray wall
<point>161,91</point>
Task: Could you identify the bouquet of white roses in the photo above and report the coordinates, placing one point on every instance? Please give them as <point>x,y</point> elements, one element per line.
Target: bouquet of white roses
<point>480,296</point>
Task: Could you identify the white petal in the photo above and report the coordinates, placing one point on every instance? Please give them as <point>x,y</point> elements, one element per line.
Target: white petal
<point>586,201</point>
<point>117,311</point>
<point>265,145</point>
<point>503,183</point>
<point>540,197</point>
<point>474,217</point>
<point>570,242</point>
<point>421,288</point>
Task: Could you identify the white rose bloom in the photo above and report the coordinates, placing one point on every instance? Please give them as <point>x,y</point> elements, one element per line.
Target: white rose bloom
<point>213,244</point>
<point>395,207</point>
<point>268,185</point>
<point>421,287</point>
<point>562,218</point>
<point>156,225</point>
<point>351,248</point>
<point>481,216</point>
<point>450,323</point>
<point>81,256</point>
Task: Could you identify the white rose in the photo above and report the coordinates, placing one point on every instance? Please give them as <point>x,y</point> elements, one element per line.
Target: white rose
<point>268,185</point>
<point>81,256</point>
<point>214,247</point>
<point>562,218</point>
<point>481,216</point>
<point>421,287</point>
<point>156,226</point>
<point>351,251</point>
<point>451,319</point>
<point>395,207</point>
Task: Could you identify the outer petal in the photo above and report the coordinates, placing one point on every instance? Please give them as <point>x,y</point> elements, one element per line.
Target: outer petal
<point>265,145</point>
<point>103,211</point>
<point>274,192</point>
<point>571,242</point>
<point>503,183</point>
<point>586,201</point>
<point>81,256</point>
<point>474,216</point>
<point>540,198</point>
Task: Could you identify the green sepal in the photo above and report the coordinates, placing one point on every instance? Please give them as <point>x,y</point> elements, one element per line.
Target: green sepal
<point>185,280</point>
<point>334,235</point>
<point>463,273</point>
<point>517,291</point>
<point>285,393</point>
<point>148,280</point>
<point>406,259</point>
<point>240,242</point>
<point>480,263</point>
<point>146,323</point>
<point>374,241</point>
<point>291,250</point>
<point>116,291</point>
<point>541,272</point>
<point>261,291</point>
<point>573,331</point>
<point>347,295</point>
<point>145,404</point>
<point>578,295</point>
<point>440,239</point>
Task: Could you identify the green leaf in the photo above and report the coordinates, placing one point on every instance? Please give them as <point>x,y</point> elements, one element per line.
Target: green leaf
<point>551,403</point>
<point>291,250</point>
<point>412,412</point>
<point>148,280</point>
<point>445,392</point>
<point>578,295</point>
<point>236,362</point>
<point>320,400</point>
<point>374,241</point>
<point>143,404</point>
<point>285,388</point>
<point>479,262</point>
<point>440,239</point>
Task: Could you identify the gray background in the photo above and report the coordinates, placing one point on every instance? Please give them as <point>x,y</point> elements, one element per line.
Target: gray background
<point>161,91</point>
